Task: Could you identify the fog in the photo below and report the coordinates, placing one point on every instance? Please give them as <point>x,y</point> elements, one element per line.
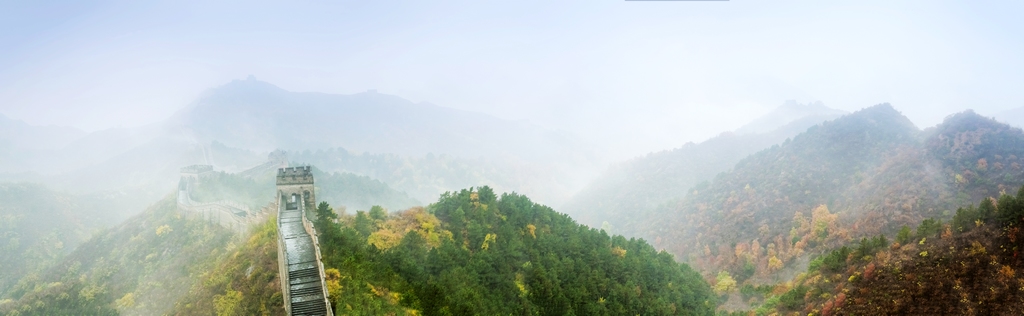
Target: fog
<point>142,147</point>
<point>637,76</point>
<point>532,97</point>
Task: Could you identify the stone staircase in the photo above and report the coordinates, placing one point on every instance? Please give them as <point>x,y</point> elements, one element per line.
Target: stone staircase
<point>305,292</point>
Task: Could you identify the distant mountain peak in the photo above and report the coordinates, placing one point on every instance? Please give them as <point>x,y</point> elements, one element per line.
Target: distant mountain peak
<point>968,120</point>
<point>965,114</point>
<point>882,115</point>
<point>815,106</point>
<point>248,85</point>
<point>788,112</point>
<point>257,115</point>
<point>885,106</point>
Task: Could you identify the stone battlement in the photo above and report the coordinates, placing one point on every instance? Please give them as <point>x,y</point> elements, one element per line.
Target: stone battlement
<point>196,169</point>
<point>295,175</point>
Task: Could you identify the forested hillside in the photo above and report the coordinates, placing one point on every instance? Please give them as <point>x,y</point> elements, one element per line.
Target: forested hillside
<point>140,267</point>
<point>759,197</point>
<point>39,226</point>
<point>242,281</point>
<point>966,266</point>
<point>474,253</point>
<point>144,265</point>
<point>470,253</point>
<point>864,174</point>
<point>641,184</point>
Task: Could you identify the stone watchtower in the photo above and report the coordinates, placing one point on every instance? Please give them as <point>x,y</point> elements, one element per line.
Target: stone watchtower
<point>196,172</point>
<point>191,175</point>
<point>294,185</point>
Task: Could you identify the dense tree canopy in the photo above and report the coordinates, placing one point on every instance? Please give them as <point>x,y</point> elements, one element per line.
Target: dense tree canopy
<point>474,253</point>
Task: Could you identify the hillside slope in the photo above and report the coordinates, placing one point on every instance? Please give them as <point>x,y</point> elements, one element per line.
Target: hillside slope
<point>474,253</point>
<point>968,266</point>
<point>241,281</point>
<point>146,264</point>
<point>470,253</point>
<point>863,174</point>
<point>39,226</point>
<point>140,267</point>
<point>641,184</point>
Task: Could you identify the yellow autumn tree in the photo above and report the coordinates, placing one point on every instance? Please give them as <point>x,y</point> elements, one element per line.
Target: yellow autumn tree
<point>227,304</point>
<point>619,252</point>
<point>415,220</point>
<point>126,301</point>
<point>724,283</point>
<point>333,277</point>
<point>164,229</point>
<point>822,221</point>
<point>488,239</point>
<point>774,264</point>
<point>385,239</point>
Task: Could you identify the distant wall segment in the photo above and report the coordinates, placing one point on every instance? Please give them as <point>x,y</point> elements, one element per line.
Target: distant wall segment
<point>228,214</point>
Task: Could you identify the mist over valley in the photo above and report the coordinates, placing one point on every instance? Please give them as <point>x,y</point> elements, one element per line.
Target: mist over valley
<point>627,158</point>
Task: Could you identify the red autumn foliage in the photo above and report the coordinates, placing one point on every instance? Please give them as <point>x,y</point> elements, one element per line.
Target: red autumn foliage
<point>869,271</point>
<point>826,309</point>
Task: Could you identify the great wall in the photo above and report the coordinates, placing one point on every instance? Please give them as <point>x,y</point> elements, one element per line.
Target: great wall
<point>300,267</point>
<point>229,214</point>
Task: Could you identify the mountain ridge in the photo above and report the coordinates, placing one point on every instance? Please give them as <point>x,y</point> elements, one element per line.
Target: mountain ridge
<point>361,122</point>
<point>644,182</point>
<point>863,174</point>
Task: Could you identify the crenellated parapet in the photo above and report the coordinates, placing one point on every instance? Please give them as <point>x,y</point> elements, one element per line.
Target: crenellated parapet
<point>295,175</point>
<point>296,184</point>
<point>196,171</point>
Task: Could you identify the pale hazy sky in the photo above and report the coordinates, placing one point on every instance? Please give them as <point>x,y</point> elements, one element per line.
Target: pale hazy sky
<point>640,75</point>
